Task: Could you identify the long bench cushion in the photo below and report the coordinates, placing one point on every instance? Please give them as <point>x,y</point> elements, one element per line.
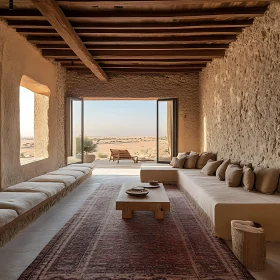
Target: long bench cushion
<point>77,168</point>
<point>160,172</point>
<point>20,201</point>
<point>90,165</point>
<point>66,180</point>
<point>49,189</point>
<point>75,174</point>
<point>6,216</point>
<point>223,204</point>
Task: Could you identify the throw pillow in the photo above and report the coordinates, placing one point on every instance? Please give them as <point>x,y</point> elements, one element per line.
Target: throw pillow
<point>233,175</point>
<point>235,162</point>
<point>221,171</point>
<point>191,160</point>
<point>202,160</point>
<point>210,167</point>
<point>181,155</point>
<point>248,178</point>
<point>266,179</point>
<point>279,182</point>
<point>214,156</point>
<point>179,163</point>
<point>173,161</point>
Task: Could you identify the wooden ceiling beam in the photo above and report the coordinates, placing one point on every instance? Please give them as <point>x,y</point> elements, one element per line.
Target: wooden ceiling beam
<point>55,16</point>
<point>138,54</point>
<point>141,62</point>
<point>142,66</point>
<point>219,39</point>
<point>143,71</point>
<point>138,47</point>
<point>136,3</point>
<point>135,26</point>
<point>138,32</point>
<point>107,16</point>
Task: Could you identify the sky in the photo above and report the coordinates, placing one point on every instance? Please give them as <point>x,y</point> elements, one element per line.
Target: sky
<point>102,118</point>
<point>26,113</point>
<point>121,118</point>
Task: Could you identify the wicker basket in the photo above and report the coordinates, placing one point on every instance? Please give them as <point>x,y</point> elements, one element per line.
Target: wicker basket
<point>248,244</point>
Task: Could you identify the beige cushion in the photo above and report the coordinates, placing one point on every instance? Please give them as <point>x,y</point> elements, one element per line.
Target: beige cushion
<point>174,159</point>
<point>182,155</point>
<point>211,167</point>
<point>179,163</point>
<point>49,189</point>
<point>66,180</point>
<point>203,159</point>
<point>75,174</point>
<point>248,178</point>
<point>89,164</point>
<point>233,175</point>
<point>191,160</point>
<point>221,171</point>
<point>266,179</point>
<point>20,201</point>
<point>6,216</point>
<point>77,168</point>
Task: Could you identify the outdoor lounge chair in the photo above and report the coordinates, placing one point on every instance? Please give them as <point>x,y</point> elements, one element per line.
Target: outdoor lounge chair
<point>122,154</point>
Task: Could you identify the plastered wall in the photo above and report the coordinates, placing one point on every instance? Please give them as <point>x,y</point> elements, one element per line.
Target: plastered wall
<point>183,87</point>
<point>240,96</point>
<point>18,58</point>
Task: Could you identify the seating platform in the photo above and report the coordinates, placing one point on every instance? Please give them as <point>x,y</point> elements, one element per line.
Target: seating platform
<point>22,203</point>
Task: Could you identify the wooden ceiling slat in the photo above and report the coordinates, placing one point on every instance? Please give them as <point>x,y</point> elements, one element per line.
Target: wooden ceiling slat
<point>141,62</point>
<point>93,16</point>
<point>136,3</point>
<point>139,32</point>
<point>133,26</point>
<point>138,54</point>
<point>142,71</point>
<point>139,47</point>
<point>220,39</point>
<point>55,16</point>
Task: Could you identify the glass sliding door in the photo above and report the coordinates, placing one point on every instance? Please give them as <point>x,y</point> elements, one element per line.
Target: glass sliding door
<point>166,129</point>
<point>75,131</point>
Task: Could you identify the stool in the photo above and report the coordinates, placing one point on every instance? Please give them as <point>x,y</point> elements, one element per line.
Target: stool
<point>248,244</point>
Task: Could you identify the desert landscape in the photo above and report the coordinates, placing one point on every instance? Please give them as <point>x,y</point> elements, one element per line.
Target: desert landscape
<point>144,147</point>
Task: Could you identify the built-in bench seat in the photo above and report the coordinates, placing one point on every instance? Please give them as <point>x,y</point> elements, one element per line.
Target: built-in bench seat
<point>220,204</point>
<point>22,203</point>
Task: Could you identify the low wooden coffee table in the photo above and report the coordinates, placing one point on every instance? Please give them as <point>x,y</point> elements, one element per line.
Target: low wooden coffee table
<point>157,201</point>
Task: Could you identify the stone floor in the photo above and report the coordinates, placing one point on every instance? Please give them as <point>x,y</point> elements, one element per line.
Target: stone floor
<point>22,250</point>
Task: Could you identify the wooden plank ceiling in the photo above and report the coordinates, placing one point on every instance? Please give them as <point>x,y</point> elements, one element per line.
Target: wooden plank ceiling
<point>156,36</point>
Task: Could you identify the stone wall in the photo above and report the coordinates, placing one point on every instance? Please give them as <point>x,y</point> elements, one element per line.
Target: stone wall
<point>240,96</point>
<point>183,87</point>
<point>18,58</point>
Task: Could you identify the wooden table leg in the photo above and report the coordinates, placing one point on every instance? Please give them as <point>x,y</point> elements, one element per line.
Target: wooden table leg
<point>159,214</point>
<point>126,214</point>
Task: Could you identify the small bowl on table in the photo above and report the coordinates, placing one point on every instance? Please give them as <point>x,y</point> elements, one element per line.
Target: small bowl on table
<point>154,183</point>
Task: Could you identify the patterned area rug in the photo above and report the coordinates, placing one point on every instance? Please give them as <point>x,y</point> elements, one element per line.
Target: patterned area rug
<point>98,244</point>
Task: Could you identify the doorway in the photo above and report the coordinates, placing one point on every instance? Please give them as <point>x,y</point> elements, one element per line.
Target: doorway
<point>146,128</point>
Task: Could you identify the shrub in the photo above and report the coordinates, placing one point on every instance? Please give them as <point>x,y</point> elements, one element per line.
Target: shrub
<point>89,146</point>
<point>102,155</point>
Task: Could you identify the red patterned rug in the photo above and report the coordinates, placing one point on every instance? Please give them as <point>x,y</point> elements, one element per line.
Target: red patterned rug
<point>98,244</point>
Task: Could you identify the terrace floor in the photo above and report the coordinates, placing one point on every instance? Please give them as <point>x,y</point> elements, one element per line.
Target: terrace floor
<point>22,250</point>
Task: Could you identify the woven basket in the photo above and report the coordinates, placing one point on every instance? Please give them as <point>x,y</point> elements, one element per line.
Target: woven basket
<point>248,244</point>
